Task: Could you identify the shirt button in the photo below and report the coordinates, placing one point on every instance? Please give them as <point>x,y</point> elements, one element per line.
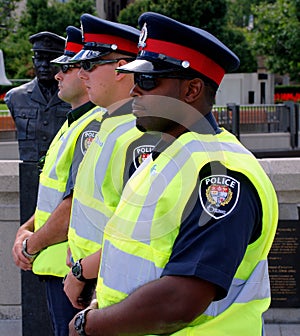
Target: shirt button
<point>45,122</point>
<point>23,115</point>
<point>44,138</point>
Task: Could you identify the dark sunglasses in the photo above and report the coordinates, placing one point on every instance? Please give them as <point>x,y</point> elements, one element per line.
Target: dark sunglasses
<point>65,67</point>
<point>149,82</point>
<point>87,65</point>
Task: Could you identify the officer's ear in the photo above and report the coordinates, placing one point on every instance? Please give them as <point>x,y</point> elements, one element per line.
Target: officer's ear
<point>120,75</point>
<point>193,90</point>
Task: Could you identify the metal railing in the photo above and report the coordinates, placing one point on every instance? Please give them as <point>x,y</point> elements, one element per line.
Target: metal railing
<point>245,119</point>
<point>253,118</point>
<point>238,119</point>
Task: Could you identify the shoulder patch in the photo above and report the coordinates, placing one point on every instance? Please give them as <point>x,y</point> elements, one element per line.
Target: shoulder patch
<point>140,154</point>
<point>86,139</point>
<point>219,195</point>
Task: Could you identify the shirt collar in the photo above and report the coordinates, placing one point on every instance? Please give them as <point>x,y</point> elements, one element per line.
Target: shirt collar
<point>211,119</point>
<point>75,114</point>
<point>198,127</point>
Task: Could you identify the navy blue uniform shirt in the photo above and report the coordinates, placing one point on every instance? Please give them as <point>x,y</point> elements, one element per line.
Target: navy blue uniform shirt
<point>212,248</point>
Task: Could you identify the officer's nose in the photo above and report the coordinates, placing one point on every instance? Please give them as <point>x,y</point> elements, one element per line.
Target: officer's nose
<point>82,74</point>
<point>135,91</point>
<point>58,76</point>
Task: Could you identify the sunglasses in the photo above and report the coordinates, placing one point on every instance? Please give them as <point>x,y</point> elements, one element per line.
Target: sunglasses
<point>65,67</point>
<point>87,65</point>
<point>149,82</point>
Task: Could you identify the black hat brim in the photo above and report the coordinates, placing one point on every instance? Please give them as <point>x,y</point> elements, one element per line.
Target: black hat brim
<point>145,66</point>
<point>63,59</point>
<point>88,54</point>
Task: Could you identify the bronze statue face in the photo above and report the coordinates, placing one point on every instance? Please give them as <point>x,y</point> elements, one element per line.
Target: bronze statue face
<point>44,70</point>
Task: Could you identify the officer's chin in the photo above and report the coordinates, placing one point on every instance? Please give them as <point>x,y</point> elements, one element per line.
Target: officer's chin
<point>139,125</point>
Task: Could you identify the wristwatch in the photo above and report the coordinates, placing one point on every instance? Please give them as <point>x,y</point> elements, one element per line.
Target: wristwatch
<point>77,271</point>
<point>24,250</point>
<point>80,320</point>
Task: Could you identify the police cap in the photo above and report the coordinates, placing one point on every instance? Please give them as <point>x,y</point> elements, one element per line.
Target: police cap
<point>102,37</point>
<point>47,42</point>
<point>166,45</point>
<point>74,44</point>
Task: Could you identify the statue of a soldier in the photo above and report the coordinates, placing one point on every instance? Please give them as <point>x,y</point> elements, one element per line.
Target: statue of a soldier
<point>35,107</point>
<point>38,113</point>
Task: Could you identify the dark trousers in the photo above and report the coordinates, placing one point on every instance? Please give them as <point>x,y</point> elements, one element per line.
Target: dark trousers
<point>60,308</point>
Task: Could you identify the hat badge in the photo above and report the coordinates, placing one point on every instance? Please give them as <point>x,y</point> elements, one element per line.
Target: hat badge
<point>185,64</point>
<point>143,36</point>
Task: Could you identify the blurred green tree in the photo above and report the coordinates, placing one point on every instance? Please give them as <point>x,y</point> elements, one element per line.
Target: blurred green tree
<point>39,15</point>
<point>7,17</point>
<point>276,36</point>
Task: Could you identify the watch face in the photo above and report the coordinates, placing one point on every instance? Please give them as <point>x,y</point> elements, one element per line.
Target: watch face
<point>76,269</point>
<point>78,322</point>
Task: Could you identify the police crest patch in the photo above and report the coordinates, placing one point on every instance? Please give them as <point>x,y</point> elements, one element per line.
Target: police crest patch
<point>140,154</point>
<point>219,195</point>
<point>86,139</point>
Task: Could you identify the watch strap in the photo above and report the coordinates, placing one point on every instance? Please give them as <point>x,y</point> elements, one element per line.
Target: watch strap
<point>80,322</point>
<point>78,274</point>
<point>24,250</point>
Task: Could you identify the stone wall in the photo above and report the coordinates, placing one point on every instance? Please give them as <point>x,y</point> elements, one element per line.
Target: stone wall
<point>10,275</point>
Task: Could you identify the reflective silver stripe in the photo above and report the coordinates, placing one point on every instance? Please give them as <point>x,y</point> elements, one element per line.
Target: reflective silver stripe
<point>105,155</point>
<point>124,272</point>
<point>143,226</point>
<point>263,332</point>
<point>215,146</point>
<point>257,287</point>
<point>88,222</point>
<point>65,138</point>
<point>48,198</point>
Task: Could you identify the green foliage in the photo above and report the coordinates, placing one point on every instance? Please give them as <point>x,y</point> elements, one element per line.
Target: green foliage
<point>208,15</point>
<point>130,14</point>
<point>287,89</point>
<point>239,11</point>
<point>6,17</point>
<point>53,16</point>
<point>40,15</point>
<point>276,35</point>
<point>3,107</point>
<point>236,41</point>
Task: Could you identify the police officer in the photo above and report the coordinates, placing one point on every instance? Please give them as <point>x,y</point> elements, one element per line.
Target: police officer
<point>107,46</point>
<point>39,250</point>
<point>185,252</point>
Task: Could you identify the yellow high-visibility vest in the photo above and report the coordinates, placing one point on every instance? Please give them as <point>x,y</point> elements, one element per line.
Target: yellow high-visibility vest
<point>99,182</point>
<point>53,180</point>
<point>138,239</point>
